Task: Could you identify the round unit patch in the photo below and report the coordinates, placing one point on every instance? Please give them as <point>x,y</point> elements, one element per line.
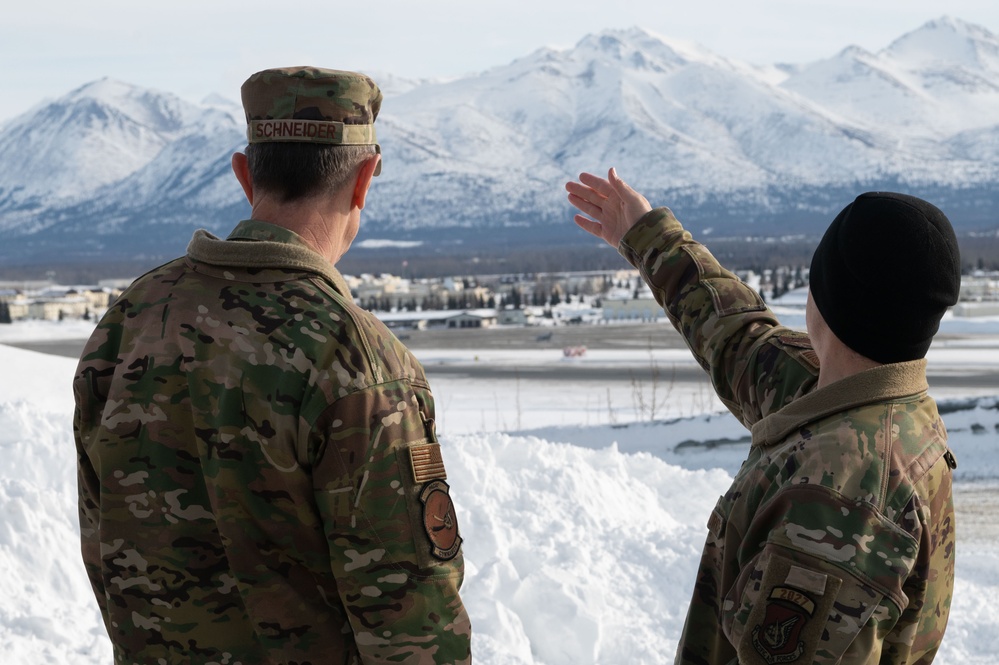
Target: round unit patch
<point>439,520</point>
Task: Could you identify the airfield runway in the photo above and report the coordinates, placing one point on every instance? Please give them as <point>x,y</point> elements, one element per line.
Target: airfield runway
<point>634,337</point>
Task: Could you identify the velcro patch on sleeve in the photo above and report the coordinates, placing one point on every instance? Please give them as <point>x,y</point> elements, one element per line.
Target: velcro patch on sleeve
<point>440,521</point>
<point>427,462</point>
<point>787,622</point>
<point>807,580</point>
<point>796,339</point>
<point>800,340</point>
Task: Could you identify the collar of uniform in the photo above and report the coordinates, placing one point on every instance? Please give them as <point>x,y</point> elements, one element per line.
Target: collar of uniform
<point>879,384</point>
<point>256,244</point>
<point>254,229</point>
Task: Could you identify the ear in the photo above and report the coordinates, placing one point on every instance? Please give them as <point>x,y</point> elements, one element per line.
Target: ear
<point>365,172</point>
<point>241,168</point>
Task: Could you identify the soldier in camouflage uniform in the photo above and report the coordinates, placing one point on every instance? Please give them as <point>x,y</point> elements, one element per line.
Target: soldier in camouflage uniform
<point>835,543</point>
<point>260,481</point>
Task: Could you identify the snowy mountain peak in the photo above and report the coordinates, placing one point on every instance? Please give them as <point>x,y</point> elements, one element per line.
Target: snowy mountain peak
<point>92,136</point>
<point>947,41</point>
<point>933,82</point>
<point>636,48</point>
<point>854,52</point>
<point>157,111</point>
<point>105,89</point>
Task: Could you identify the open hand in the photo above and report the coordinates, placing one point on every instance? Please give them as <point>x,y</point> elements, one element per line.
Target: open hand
<point>611,202</point>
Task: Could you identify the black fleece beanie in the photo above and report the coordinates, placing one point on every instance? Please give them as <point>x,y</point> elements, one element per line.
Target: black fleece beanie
<point>886,270</point>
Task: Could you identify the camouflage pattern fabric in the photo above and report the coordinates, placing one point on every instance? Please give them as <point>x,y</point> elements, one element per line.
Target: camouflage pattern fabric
<point>835,542</point>
<point>311,104</point>
<point>311,93</point>
<point>259,475</point>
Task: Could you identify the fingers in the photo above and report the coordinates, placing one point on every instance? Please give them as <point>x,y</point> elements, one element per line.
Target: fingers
<point>615,181</point>
<point>584,192</point>
<point>598,184</point>
<point>633,204</point>
<point>620,186</point>
<point>596,189</point>
<point>585,206</point>
<point>588,225</point>
<point>591,188</point>
<point>588,199</point>
<point>589,202</point>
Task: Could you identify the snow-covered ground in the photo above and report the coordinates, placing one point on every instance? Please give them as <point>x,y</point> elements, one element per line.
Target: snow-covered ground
<point>583,515</point>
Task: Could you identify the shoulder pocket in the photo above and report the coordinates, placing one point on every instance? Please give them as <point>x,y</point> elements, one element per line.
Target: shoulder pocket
<point>786,609</point>
<point>803,610</point>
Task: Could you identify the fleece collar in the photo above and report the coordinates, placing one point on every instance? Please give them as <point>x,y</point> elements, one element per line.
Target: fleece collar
<point>892,382</point>
<point>256,244</point>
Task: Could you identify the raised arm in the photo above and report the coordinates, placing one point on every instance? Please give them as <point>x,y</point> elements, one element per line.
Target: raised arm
<point>755,365</point>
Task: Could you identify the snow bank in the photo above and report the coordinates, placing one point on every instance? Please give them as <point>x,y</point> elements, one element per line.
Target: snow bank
<point>47,612</point>
<point>573,555</point>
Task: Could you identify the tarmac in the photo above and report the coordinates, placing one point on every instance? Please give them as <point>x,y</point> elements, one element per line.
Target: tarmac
<point>635,337</point>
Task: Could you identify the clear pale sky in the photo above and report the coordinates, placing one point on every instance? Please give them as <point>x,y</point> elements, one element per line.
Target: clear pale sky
<point>196,47</point>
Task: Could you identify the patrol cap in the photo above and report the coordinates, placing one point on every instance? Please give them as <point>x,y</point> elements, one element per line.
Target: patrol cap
<point>884,274</point>
<point>311,105</point>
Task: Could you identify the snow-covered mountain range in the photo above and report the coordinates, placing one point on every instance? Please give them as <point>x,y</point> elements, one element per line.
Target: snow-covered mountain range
<point>112,170</point>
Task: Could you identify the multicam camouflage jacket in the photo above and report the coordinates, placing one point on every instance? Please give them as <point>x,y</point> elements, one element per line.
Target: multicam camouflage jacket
<point>259,475</point>
<point>835,542</point>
